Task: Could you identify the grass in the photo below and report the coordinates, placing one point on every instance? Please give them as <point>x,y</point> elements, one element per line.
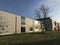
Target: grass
<point>49,38</point>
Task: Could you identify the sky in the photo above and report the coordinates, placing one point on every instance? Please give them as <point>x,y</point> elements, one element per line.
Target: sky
<point>27,7</point>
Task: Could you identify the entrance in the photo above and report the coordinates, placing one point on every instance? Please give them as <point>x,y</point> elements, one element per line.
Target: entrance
<point>22,29</point>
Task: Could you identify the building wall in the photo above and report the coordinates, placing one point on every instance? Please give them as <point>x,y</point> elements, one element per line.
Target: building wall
<point>18,24</point>
<point>29,24</point>
<point>7,23</point>
<point>11,24</point>
<point>48,24</point>
<point>55,25</point>
<point>58,26</point>
<point>37,26</point>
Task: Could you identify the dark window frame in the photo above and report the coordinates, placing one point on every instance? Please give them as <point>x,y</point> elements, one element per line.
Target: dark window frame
<point>31,28</point>
<point>22,20</point>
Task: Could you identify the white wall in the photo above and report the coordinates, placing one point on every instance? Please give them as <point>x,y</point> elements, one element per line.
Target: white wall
<point>9,20</point>
<point>29,23</point>
<point>18,24</point>
<point>37,24</point>
<point>12,24</point>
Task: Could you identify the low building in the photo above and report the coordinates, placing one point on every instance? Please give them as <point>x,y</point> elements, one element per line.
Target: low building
<point>12,24</point>
<point>50,24</point>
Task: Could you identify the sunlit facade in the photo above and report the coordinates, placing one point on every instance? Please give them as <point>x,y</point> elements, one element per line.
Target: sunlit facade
<point>12,24</point>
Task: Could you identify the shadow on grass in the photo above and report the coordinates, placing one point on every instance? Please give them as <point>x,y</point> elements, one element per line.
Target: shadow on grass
<point>49,42</point>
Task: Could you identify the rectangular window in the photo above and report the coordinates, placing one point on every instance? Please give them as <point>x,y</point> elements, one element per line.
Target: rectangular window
<point>31,28</point>
<point>55,23</point>
<point>23,20</point>
<point>3,28</point>
<point>0,25</point>
<point>37,27</point>
<point>22,29</point>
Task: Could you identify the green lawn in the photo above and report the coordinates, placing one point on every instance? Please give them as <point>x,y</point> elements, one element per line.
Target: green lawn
<point>49,38</point>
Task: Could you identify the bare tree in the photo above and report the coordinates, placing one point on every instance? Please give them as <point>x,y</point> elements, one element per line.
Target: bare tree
<point>43,11</point>
<point>38,15</point>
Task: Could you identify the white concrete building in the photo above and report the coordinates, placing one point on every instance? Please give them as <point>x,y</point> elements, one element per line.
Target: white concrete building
<point>12,23</point>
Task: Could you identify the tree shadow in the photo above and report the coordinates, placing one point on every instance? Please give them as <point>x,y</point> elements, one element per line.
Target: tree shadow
<point>48,42</point>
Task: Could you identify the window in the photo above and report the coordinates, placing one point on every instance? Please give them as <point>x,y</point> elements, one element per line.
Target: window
<point>31,28</point>
<point>0,25</point>
<point>6,25</point>
<point>22,29</point>
<point>23,20</point>
<point>2,28</point>
<point>55,23</point>
<point>36,27</point>
<point>54,28</point>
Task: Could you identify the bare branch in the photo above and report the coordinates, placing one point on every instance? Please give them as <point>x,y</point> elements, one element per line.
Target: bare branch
<point>38,14</point>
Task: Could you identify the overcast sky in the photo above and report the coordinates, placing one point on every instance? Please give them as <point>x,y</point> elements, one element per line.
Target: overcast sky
<point>27,7</point>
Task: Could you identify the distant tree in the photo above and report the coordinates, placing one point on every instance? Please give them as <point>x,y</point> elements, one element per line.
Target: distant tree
<point>43,11</point>
<point>38,14</point>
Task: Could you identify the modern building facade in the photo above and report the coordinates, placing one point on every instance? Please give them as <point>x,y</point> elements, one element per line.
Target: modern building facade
<point>12,24</point>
